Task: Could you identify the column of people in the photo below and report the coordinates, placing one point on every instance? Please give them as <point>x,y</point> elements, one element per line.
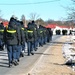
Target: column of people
<point>15,37</point>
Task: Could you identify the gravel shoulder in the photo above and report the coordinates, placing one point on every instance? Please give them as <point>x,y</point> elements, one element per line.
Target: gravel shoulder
<point>52,62</point>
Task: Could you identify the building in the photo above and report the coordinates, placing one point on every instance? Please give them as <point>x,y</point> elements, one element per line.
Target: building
<point>55,27</point>
<point>5,23</point>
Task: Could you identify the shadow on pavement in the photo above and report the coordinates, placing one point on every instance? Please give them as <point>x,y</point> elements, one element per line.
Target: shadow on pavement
<point>4,59</point>
<point>44,54</point>
<point>2,52</point>
<point>64,64</point>
<point>3,64</point>
<point>2,55</point>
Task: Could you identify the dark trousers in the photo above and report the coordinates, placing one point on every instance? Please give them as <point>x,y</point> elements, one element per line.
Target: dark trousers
<point>1,45</point>
<point>12,52</point>
<point>35,44</point>
<point>30,47</point>
<point>19,47</point>
<point>24,46</point>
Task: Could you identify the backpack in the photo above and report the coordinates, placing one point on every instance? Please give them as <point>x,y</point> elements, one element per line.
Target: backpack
<point>10,33</point>
<point>30,34</point>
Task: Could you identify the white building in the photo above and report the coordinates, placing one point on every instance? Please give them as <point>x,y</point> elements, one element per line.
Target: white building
<point>55,27</point>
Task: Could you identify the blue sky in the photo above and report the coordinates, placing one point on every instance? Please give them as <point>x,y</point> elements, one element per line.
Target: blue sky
<point>51,10</point>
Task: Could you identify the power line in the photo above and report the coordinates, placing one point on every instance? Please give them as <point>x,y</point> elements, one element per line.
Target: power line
<point>30,3</point>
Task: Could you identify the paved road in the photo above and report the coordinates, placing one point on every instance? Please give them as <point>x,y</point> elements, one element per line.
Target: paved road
<point>25,64</point>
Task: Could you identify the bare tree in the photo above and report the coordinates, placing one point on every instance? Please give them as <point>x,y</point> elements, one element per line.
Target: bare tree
<point>71,13</point>
<point>50,21</point>
<point>40,21</point>
<point>34,16</point>
<point>1,14</point>
<point>73,0</point>
<point>24,20</point>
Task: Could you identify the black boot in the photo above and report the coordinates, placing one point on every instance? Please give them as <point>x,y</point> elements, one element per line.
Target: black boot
<point>10,64</point>
<point>15,63</point>
<point>32,53</point>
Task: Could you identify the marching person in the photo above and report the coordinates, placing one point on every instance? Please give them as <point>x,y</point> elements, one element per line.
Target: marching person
<point>24,45</point>
<point>10,36</point>
<point>22,39</point>
<point>1,36</point>
<point>49,35</point>
<point>30,41</point>
<point>40,35</point>
<point>35,31</point>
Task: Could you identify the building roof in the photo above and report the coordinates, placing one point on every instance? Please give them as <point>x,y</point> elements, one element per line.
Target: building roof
<point>51,26</point>
<point>54,26</point>
<point>5,23</point>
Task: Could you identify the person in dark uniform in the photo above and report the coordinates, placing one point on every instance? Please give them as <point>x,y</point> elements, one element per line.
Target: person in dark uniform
<point>35,29</point>
<point>11,40</point>
<point>22,39</point>
<point>49,35</point>
<point>24,45</point>
<point>44,35</point>
<point>30,30</point>
<point>40,35</point>
<point>1,36</point>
